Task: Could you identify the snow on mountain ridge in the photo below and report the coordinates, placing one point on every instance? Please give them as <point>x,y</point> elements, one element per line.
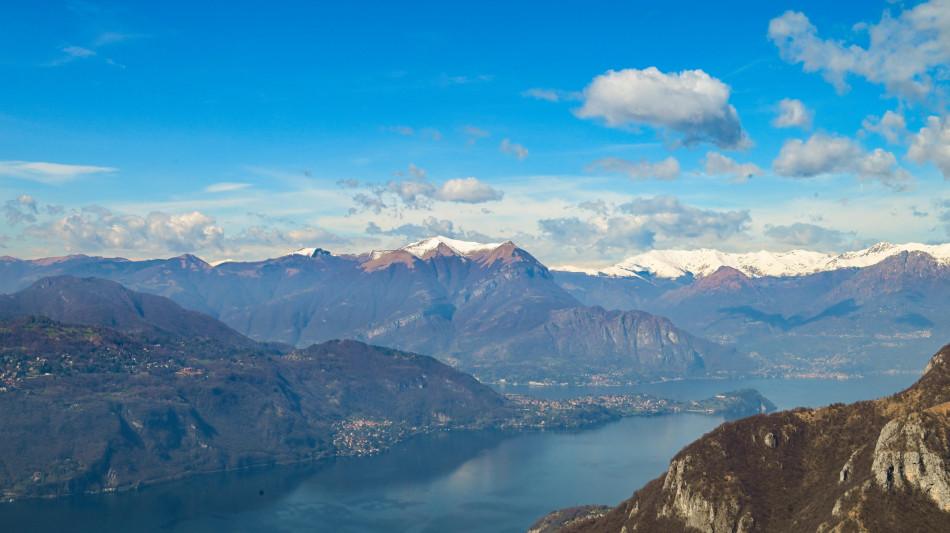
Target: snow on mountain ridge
<point>464,248</point>
<point>698,263</point>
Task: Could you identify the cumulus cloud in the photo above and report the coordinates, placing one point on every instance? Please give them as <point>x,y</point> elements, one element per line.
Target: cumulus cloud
<point>824,154</point>
<point>96,228</point>
<point>932,145</point>
<point>21,210</point>
<point>599,206</point>
<point>641,170</point>
<point>429,227</point>
<point>904,54</point>
<point>416,172</point>
<point>467,190</point>
<point>809,236</point>
<point>511,148</point>
<point>418,193</point>
<point>50,173</point>
<point>690,103</point>
<point>717,164</point>
<point>891,126</point>
<point>793,114</point>
<point>644,223</point>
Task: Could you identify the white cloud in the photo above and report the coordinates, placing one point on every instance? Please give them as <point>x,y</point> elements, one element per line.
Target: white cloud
<point>417,193</point>
<point>541,94</point>
<point>793,114</point>
<point>473,131</point>
<point>690,103</point>
<point>467,190</point>
<point>823,154</point>
<point>717,164</point>
<point>905,54</point>
<point>511,148</point>
<point>641,170</point>
<point>891,126</point>
<point>810,236</point>
<point>226,186</point>
<point>645,223</point>
<point>50,173</point>
<point>78,51</point>
<point>95,228</point>
<point>552,95</point>
<point>416,172</point>
<point>932,145</point>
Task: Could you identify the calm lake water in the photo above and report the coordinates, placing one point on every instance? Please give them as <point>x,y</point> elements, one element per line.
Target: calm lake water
<point>462,482</point>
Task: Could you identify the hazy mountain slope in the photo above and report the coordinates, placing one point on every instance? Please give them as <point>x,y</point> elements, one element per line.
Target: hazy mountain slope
<point>879,465</point>
<point>850,320</point>
<point>94,301</point>
<point>88,408</point>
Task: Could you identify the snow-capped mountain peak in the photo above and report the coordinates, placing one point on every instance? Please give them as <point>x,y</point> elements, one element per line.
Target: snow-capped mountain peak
<point>463,248</point>
<point>699,263</point>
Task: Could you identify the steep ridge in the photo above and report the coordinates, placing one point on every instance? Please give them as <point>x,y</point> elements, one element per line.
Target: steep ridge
<point>440,296</point>
<point>880,465</point>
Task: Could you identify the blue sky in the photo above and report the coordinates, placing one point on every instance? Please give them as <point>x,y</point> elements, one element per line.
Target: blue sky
<point>585,132</point>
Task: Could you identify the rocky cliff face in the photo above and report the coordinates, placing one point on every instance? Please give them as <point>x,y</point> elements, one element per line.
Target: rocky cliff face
<point>879,465</point>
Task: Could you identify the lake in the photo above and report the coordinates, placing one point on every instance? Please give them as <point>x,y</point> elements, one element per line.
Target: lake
<point>485,481</point>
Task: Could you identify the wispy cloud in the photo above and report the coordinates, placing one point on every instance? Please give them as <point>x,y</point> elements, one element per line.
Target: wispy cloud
<point>50,173</point>
<point>225,186</point>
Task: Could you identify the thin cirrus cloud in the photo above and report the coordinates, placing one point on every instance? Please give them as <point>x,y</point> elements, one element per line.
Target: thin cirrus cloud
<point>905,54</point>
<point>225,186</point>
<point>641,170</point>
<point>49,173</point>
<point>824,154</point>
<point>691,103</point>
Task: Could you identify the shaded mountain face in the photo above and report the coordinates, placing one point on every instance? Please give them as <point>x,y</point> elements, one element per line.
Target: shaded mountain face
<point>879,465</point>
<point>491,309</point>
<point>849,320</point>
<point>89,408</point>
<point>95,301</point>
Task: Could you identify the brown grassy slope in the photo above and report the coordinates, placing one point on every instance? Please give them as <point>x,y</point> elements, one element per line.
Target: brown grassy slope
<point>879,465</point>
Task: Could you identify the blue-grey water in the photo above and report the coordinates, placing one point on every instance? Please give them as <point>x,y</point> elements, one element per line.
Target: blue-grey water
<point>457,481</point>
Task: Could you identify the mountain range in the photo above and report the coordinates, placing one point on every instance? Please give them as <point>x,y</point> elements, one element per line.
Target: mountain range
<point>880,465</point>
<point>489,309</point>
<point>497,312</point>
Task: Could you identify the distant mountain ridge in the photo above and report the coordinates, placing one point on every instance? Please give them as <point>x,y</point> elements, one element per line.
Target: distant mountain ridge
<point>490,309</point>
<point>673,264</point>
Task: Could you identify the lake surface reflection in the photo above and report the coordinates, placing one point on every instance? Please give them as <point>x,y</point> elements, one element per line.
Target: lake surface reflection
<point>463,481</point>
